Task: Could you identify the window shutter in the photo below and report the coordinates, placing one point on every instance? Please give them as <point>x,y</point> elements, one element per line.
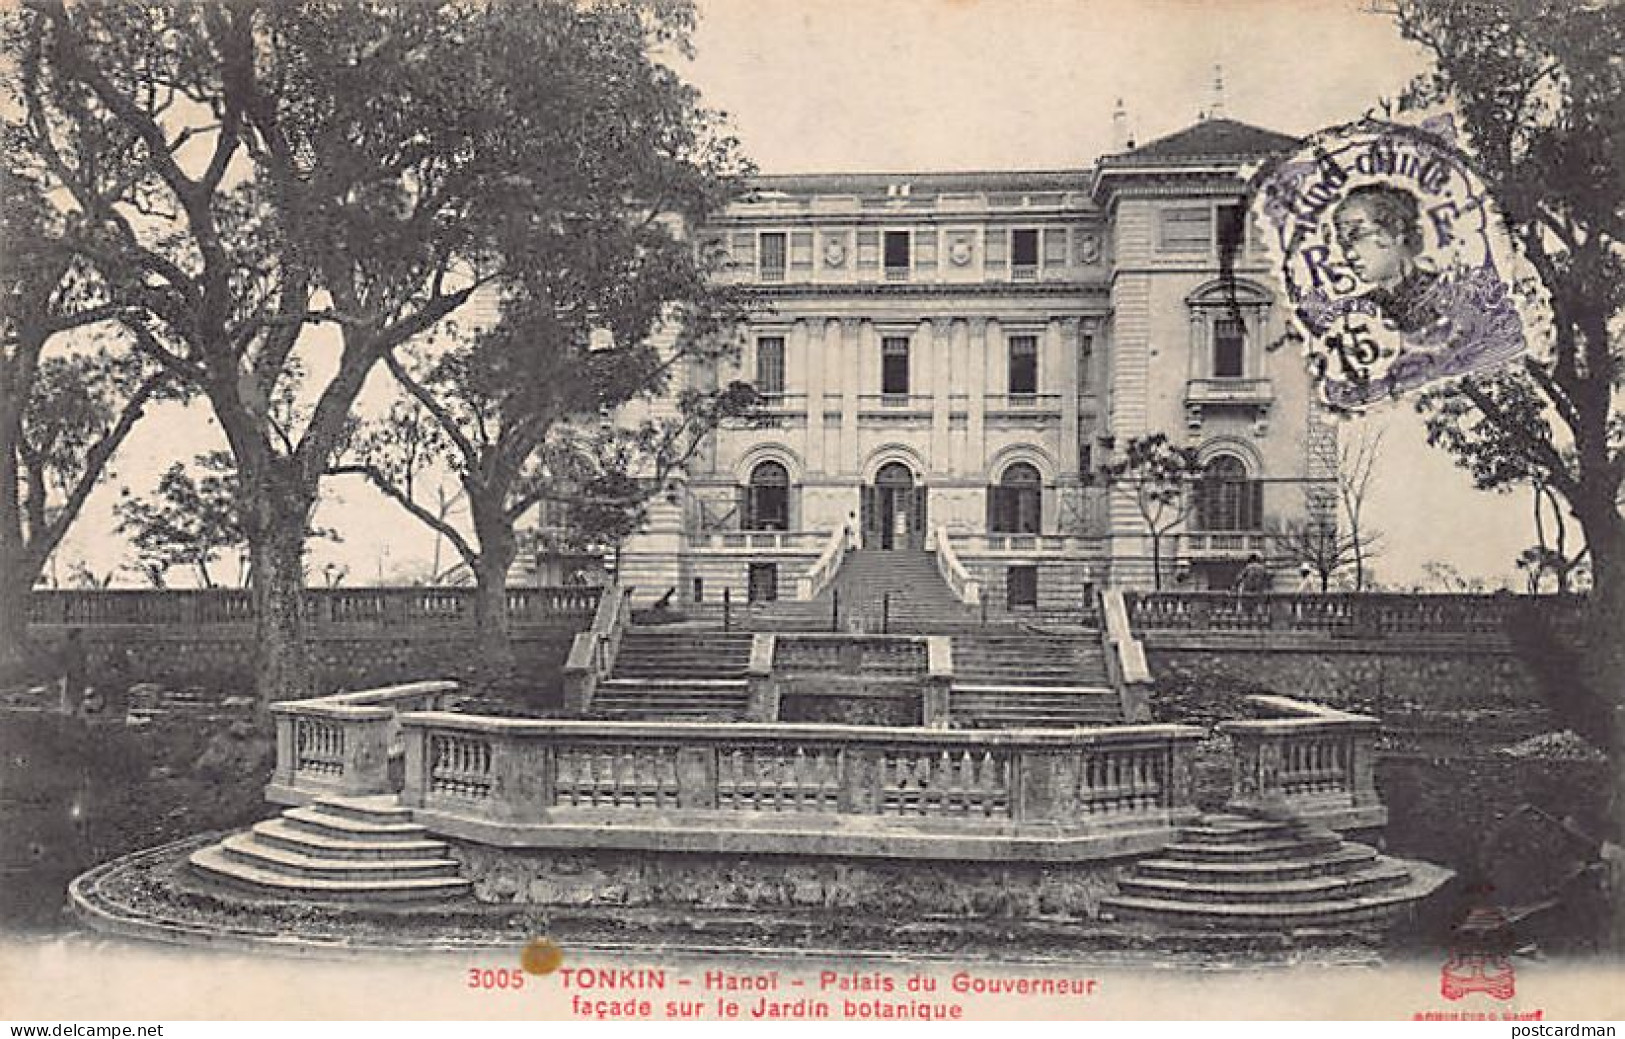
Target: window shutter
<point>869,247</point>
<point>742,508</point>
<point>998,246</point>
<point>1055,247</point>
<point>742,256</point>
<point>801,249</point>
<point>1255,505</point>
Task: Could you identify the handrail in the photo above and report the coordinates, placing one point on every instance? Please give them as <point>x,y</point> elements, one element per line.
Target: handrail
<point>1308,762</point>
<point>818,576</point>
<point>593,652</point>
<point>816,789</point>
<point>1126,665</point>
<point>345,742</point>
<point>966,588</point>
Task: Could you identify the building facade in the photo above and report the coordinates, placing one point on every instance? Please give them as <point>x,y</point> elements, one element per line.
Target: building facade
<point>958,355</point>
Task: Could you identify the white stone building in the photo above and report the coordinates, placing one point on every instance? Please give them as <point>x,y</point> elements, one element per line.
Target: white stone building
<point>958,354</point>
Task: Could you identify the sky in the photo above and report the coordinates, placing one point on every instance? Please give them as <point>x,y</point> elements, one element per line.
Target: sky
<point>902,85</point>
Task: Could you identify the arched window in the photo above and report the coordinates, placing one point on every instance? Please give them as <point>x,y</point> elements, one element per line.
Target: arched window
<point>1227,499</point>
<point>1016,503</point>
<point>767,499</point>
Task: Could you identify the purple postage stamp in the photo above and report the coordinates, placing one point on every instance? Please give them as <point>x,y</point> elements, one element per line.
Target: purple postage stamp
<point>1398,268</point>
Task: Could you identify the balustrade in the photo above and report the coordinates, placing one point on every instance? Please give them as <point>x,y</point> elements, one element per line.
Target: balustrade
<point>344,743</point>
<point>1364,614</point>
<point>1309,761</point>
<point>328,610</point>
<point>522,782</point>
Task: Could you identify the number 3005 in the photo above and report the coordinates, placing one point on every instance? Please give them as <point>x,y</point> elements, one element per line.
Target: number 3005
<point>499,978</point>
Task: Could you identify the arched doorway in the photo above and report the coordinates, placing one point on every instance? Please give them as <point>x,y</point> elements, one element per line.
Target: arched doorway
<point>767,499</point>
<point>1016,502</point>
<point>894,509</point>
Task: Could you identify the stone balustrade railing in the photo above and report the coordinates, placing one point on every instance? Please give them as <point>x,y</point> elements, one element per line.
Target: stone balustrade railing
<point>807,789</point>
<point>1126,665</point>
<point>965,587</point>
<point>345,743</point>
<point>593,652</point>
<point>328,610</point>
<point>1355,615</point>
<point>818,576</point>
<point>798,541</point>
<point>1306,761</point>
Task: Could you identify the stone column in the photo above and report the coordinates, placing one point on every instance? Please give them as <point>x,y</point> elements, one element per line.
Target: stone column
<point>1064,380</point>
<point>818,351</point>
<point>976,387</point>
<point>941,366</point>
<point>795,379</point>
<point>849,373</point>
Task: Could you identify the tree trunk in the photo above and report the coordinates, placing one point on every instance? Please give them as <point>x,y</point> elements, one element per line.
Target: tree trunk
<point>497,550</point>
<point>276,509</point>
<point>16,584</point>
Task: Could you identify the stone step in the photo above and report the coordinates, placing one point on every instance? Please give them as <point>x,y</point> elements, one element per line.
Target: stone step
<point>280,833</point>
<point>1307,889</point>
<point>312,819</point>
<point>1261,916</point>
<point>1243,830</point>
<point>1284,849</point>
<point>213,863</point>
<point>246,848</point>
<point>384,809</point>
<point>1347,859</point>
<point>710,684</point>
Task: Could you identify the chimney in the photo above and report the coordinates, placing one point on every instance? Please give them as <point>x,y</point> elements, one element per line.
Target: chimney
<point>1120,137</point>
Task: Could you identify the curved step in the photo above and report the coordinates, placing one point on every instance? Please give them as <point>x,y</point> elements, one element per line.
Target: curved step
<point>245,848</point>
<point>213,863</point>
<point>1349,857</point>
<point>1307,889</point>
<point>1291,848</point>
<point>278,833</point>
<point>312,819</point>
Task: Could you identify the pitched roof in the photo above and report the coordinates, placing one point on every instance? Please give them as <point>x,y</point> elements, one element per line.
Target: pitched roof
<point>925,181</point>
<point>1208,139</point>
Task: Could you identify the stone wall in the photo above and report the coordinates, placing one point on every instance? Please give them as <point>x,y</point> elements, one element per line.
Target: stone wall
<point>225,660</point>
<point>774,883</point>
<point>1388,676</point>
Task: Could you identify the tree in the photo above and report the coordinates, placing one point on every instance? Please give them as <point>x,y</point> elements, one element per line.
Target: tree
<point>189,522</point>
<point>353,168</point>
<point>1540,91</point>
<point>70,389</point>
<point>1319,545</point>
<point>1357,458</point>
<point>1161,478</point>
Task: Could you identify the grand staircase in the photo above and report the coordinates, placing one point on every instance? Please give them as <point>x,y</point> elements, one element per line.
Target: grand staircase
<point>676,675</point>
<point>875,590</point>
<point>1025,679</point>
<point>337,849</point>
<point>1233,873</point>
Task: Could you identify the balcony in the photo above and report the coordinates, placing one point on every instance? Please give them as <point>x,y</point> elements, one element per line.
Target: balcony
<point>1023,405</point>
<point>1255,395</point>
<point>1057,545</point>
<point>893,407</point>
<point>797,541</point>
<point>1223,544</point>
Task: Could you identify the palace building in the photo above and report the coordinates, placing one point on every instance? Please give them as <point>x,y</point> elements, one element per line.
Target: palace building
<point>957,355</point>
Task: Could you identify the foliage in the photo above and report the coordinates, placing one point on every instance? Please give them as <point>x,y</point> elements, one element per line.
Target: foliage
<point>359,166</point>
<point>188,522</point>
<point>1320,546</point>
<point>1541,93</point>
<point>1161,477</point>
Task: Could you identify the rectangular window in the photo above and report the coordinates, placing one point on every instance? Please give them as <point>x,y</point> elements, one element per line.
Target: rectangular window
<point>1023,254</point>
<point>1021,587</point>
<point>894,366</point>
<point>1229,348</point>
<point>1023,366</point>
<point>1186,230</point>
<point>770,366</point>
<point>1086,359</point>
<point>699,589</point>
<point>763,584</point>
<point>1232,228</point>
<point>896,254</point>
<point>773,255</point>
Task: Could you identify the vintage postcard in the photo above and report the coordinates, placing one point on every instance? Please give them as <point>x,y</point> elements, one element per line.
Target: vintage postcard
<point>828,511</point>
